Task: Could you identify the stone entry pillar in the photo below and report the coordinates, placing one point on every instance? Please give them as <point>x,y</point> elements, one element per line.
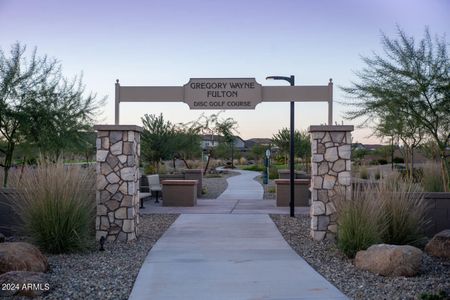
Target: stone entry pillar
<point>330,174</point>
<point>117,192</point>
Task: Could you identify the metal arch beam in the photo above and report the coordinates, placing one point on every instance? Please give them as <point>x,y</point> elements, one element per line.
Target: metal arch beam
<point>305,93</point>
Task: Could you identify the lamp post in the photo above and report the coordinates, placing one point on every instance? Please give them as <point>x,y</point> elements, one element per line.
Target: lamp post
<point>291,80</point>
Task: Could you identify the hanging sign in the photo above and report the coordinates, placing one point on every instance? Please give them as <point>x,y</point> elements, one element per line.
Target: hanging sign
<point>222,93</point>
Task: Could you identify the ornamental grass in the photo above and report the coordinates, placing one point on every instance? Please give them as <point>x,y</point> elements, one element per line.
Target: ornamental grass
<point>57,206</point>
<point>391,211</point>
<point>359,220</point>
<point>432,178</point>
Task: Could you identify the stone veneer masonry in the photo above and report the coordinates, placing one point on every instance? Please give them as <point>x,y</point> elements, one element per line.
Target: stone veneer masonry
<point>117,192</point>
<point>330,175</point>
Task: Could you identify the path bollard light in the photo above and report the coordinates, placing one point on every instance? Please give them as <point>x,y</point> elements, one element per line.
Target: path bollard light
<point>266,171</point>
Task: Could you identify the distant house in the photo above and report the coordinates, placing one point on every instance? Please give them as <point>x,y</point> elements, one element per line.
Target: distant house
<point>239,143</point>
<point>209,141</point>
<point>368,147</point>
<point>257,141</point>
<point>373,147</point>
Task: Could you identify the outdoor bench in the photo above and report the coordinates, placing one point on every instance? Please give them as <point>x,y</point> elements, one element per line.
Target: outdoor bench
<point>154,186</point>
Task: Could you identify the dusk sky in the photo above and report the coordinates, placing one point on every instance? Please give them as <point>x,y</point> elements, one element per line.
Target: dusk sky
<point>168,42</point>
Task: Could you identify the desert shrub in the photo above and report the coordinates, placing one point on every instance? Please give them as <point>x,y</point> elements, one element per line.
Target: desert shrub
<point>377,174</point>
<point>195,164</point>
<point>273,173</point>
<point>214,163</point>
<point>359,221</point>
<point>382,161</point>
<point>150,169</point>
<point>404,211</point>
<point>432,178</point>
<point>415,175</point>
<point>57,206</point>
<point>398,160</point>
<point>363,173</point>
<point>243,161</point>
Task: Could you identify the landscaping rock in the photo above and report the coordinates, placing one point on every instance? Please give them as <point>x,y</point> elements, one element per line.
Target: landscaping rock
<point>21,256</point>
<point>439,245</point>
<point>355,283</point>
<point>390,260</point>
<point>22,283</point>
<point>2,238</point>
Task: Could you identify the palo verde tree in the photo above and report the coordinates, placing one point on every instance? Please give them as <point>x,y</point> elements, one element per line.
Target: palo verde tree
<point>186,142</point>
<point>37,105</point>
<point>258,151</point>
<point>214,125</point>
<point>401,128</point>
<point>62,119</point>
<point>157,139</point>
<point>226,129</point>
<point>411,80</point>
<point>302,143</point>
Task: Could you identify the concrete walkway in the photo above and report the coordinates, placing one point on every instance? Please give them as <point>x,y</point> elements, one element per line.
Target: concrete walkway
<point>243,195</point>
<point>215,257</point>
<point>243,187</point>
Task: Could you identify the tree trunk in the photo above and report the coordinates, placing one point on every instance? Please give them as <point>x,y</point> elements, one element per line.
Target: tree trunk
<point>392,153</point>
<point>207,164</point>
<point>87,157</point>
<point>8,162</point>
<point>185,163</point>
<point>445,170</point>
<point>22,169</point>
<point>232,157</point>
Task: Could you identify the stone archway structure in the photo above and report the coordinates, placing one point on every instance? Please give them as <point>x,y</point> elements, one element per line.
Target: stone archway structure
<point>118,149</point>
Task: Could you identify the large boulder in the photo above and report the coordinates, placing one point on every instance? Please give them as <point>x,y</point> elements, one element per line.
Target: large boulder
<point>390,260</point>
<point>22,283</point>
<point>439,245</point>
<point>20,256</point>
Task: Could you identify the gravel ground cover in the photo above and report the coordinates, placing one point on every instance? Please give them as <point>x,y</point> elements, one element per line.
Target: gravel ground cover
<point>325,258</point>
<point>216,185</point>
<point>108,274</point>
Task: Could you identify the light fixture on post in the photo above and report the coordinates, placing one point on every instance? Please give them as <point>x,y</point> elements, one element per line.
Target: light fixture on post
<point>291,80</point>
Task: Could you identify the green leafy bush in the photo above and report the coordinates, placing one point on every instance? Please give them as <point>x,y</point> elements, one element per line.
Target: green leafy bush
<point>441,295</point>
<point>271,189</point>
<point>150,169</point>
<point>273,173</point>
<point>57,206</point>
<point>257,168</point>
